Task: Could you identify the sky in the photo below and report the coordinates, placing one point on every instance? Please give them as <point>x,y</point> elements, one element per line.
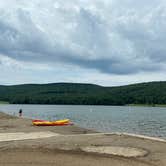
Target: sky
<point>105,42</point>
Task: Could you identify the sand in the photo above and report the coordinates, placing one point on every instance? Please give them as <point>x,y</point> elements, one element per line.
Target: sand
<point>21,143</point>
<point>4,137</point>
<point>116,150</point>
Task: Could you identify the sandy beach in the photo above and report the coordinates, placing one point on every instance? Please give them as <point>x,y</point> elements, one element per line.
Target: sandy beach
<point>21,143</point>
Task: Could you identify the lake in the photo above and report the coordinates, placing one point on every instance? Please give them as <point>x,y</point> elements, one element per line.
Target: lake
<point>150,121</point>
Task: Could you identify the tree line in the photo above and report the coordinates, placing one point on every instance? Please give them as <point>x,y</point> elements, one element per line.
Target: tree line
<point>84,94</point>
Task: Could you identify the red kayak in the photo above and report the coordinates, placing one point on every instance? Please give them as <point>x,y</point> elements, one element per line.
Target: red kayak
<point>52,124</point>
<point>38,120</point>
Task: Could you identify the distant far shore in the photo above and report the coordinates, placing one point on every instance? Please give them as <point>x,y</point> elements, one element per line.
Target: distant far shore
<point>134,105</point>
<point>147,105</point>
<point>148,94</point>
<point>4,102</point>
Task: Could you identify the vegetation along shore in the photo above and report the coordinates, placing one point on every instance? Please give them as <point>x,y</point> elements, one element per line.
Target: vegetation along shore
<point>150,94</point>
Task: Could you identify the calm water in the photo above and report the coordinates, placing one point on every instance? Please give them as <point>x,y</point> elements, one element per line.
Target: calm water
<point>149,121</point>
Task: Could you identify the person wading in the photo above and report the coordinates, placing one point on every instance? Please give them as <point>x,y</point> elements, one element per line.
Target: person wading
<point>20,112</point>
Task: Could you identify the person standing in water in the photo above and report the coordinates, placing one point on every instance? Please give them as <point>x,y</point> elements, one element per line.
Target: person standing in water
<point>20,112</point>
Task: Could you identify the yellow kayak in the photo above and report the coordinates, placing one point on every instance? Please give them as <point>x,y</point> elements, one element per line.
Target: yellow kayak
<point>51,123</point>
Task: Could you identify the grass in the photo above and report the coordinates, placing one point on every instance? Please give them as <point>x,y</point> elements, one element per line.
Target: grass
<point>4,102</point>
<point>148,105</point>
<point>160,105</point>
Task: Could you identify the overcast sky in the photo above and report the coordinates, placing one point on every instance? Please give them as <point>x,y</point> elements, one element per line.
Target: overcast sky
<point>106,42</point>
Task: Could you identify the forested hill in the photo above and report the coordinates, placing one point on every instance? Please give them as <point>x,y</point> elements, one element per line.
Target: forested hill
<point>73,93</point>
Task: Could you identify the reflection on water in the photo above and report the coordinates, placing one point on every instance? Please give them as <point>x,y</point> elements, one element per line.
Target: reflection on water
<point>139,120</point>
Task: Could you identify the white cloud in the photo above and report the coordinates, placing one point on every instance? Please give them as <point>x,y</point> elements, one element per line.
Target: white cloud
<point>111,37</point>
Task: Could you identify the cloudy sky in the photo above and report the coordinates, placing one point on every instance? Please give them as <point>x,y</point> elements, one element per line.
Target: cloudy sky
<point>107,42</point>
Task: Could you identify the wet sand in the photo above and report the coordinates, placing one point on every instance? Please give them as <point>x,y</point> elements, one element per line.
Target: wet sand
<point>20,144</point>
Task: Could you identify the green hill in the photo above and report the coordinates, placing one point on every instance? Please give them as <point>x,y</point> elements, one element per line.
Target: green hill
<point>74,93</point>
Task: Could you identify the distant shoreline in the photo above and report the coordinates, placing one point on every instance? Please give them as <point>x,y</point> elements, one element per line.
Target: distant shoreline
<point>4,102</point>
<point>152,93</point>
<point>147,105</point>
<point>130,105</point>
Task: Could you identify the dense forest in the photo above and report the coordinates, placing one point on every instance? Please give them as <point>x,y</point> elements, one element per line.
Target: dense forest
<point>85,94</point>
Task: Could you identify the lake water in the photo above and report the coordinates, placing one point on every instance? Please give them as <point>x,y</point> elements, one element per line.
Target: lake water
<point>149,121</point>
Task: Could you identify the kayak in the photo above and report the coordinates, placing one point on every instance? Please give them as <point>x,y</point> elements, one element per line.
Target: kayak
<point>63,122</point>
<point>51,123</point>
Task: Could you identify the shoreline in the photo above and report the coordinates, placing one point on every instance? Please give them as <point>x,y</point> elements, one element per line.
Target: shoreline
<point>126,105</point>
<point>72,145</point>
<point>146,105</point>
<point>140,136</point>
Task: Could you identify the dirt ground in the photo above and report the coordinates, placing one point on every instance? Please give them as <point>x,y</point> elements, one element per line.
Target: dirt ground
<point>65,147</point>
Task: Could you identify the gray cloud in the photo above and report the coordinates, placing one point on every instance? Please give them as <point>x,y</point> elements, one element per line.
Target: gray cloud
<point>112,37</point>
